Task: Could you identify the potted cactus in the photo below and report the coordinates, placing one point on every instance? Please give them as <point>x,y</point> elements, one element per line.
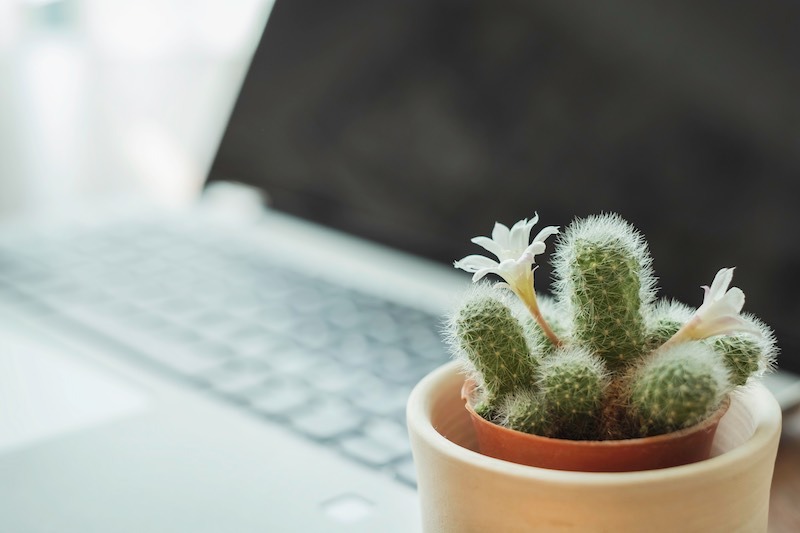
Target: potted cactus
<point>593,377</point>
<point>594,410</point>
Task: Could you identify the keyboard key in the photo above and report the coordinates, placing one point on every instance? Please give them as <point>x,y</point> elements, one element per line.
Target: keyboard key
<point>243,304</point>
<point>213,292</point>
<point>392,359</point>
<point>328,420</point>
<point>423,340</point>
<point>253,341</point>
<point>343,314</point>
<point>274,316</point>
<point>236,377</point>
<point>281,398</point>
<point>407,375</point>
<point>212,349</point>
<point>333,378</point>
<point>179,307</point>
<point>314,334</point>
<point>122,309</point>
<point>293,360</point>
<point>80,296</point>
<point>354,349</point>
<point>147,293</point>
<point>306,301</point>
<point>389,434</point>
<point>380,398</point>
<point>149,322</point>
<point>369,451</point>
<point>178,334</point>
<point>215,323</point>
<point>381,326</point>
<point>185,361</point>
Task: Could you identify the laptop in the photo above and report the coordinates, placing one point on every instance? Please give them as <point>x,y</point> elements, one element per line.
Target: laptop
<point>243,365</point>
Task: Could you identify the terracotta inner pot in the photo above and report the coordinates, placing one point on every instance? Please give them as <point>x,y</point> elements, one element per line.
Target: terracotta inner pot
<point>682,447</point>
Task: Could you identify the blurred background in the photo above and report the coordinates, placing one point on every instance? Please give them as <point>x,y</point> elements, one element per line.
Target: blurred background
<point>127,97</point>
<point>420,123</point>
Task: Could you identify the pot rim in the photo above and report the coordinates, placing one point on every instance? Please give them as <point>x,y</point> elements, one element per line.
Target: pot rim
<point>714,418</point>
<point>760,403</point>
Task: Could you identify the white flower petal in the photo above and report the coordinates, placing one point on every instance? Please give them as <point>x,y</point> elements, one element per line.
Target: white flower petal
<point>720,284</point>
<point>489,245</point>
<point>500,235</point>
<point>508,266</point>
<point>518,239</point>
<point>725,325</point>
<point>483,272</point>
<point>719,314</point>
<point>545,233</point>
<point>536,248</point>
<point>733,300</point>
<point>473,263</point>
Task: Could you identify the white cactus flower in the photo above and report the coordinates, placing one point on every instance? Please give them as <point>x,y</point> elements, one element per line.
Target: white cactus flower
<point>720,312</point>
<point>515,254</point>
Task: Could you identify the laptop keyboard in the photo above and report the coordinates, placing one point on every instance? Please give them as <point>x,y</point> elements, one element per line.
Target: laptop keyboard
<point>333,364</point>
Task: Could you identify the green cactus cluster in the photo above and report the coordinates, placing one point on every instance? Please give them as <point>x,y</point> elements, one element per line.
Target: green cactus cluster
<point>615,369</point>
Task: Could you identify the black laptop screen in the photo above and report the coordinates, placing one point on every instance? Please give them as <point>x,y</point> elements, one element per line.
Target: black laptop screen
<point>419,123</point>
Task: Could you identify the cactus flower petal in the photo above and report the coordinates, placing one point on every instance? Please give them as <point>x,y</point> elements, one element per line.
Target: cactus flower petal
<point>478,264</point>
<point>544,234</point>
<point>520,233</point>
<point>718,292</point>
<point>500,234</point>
<point>489,245</point>
<point>719,313</point>
<point>718,287</point>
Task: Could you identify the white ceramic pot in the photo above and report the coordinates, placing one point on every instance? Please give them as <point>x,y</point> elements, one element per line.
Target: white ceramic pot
<point>462,491</point>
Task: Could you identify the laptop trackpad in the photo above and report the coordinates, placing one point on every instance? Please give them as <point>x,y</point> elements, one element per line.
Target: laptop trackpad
<point>44,393</point>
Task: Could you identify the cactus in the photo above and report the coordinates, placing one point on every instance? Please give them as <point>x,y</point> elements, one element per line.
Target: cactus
<point>494,343</point>
<point>572,383</point>
<point>665,319</point>
<point>677,387</point>
<point>603,359</point>
<point>524,411</point>
<point>747,355</point>
<point>603,275</point>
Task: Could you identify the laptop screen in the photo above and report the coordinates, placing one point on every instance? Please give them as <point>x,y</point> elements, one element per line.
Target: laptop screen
<point>419,123</point>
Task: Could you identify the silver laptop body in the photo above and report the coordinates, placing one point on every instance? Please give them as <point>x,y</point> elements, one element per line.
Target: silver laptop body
<point>111,423</point>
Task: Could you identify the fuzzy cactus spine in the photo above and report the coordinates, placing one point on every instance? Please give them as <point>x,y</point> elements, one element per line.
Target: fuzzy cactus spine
<point>572,384</point>
<point>748,355</point>
<point>492,339</point>
<point>525,411</point>
<point>603,275</point>
<point>664,319</point>
<point>677,387</point>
